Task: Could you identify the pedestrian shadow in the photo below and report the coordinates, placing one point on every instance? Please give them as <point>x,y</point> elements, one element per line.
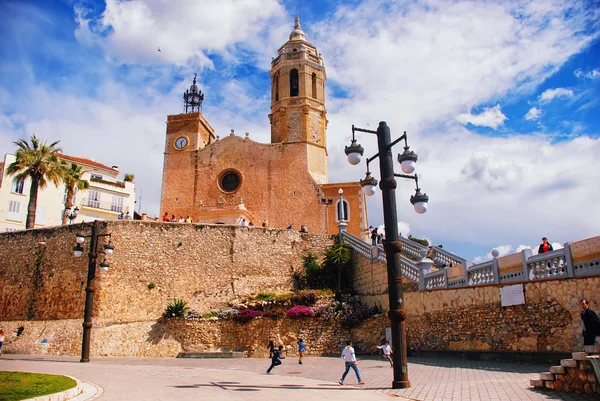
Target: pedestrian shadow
<point>234,386</point>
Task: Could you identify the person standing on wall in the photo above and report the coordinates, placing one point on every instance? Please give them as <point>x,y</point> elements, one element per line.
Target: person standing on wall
<point>590,323</point>
<point>276,360</point>
<point>301,349</point>
<point>545,246</point>
<point>350,357</point>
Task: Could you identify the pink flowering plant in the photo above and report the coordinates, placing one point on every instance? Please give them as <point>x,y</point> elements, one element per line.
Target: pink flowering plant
<point>300,311</point>
<point>244,316</point>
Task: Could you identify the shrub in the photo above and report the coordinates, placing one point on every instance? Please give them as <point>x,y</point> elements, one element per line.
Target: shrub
<point>227,313</point>
<point>176,308</point>
<point>244,316</point>
<point>273,313</point>
<point>356,314</point>
<point>282,298</point>
<point>265,296</point>
<point>337,259</point>
<point>325,293</point>
<point>151,286</point>
<point>326,311</point>
<point>307,298</point>
<point>209,315</point>
<point>420,241</point>
<point>300,311</point>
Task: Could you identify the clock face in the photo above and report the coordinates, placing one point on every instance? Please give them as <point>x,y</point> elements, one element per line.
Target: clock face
<point>181,142</point>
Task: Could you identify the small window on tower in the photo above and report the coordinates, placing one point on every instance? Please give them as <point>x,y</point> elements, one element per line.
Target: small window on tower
<point>314,85</point>
<point>276,86</point>
<point>294,85</point>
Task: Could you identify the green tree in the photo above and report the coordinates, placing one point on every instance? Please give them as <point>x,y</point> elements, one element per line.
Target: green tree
<point>128,178</point>
<point>40,162</point>
<point>337,258</point>
<point>73,178</point>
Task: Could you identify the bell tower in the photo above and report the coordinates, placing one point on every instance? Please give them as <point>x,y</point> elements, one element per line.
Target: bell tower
<point>187,133</point>
<point>298,113</point>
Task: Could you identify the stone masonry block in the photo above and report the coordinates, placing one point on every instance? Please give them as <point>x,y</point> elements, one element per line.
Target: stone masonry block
<point>557,370</point>
<point>538,383</point>
<point>586,249</point>
<point>558,385</point>
<point>579,356</point>
<point>546,376</point>
<point>549,384</point>
<point>568,363</point>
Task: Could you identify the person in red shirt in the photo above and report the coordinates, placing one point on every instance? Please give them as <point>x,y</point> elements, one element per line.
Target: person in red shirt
<point>165,217</point>
<point>545,246</point>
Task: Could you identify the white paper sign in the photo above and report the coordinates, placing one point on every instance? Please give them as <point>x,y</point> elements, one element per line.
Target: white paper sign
<point>512,295</point>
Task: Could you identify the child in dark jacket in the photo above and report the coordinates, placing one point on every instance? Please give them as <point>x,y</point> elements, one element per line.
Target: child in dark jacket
<point>276,359</point>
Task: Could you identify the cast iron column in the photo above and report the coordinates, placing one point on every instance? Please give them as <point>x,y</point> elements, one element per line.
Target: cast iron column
<point>89,293</point>
<point>397,313</point>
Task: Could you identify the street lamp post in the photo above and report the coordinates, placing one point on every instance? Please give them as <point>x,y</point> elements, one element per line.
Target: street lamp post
<point>91,277</point>
<point>392,246</point>
<point>71,214</point>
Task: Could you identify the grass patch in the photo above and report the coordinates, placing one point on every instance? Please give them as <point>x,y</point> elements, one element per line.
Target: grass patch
<point>16,386</point>
<point>265,296</point>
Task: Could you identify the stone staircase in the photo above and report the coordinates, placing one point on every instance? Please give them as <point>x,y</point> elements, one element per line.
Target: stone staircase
<point>574,375</point>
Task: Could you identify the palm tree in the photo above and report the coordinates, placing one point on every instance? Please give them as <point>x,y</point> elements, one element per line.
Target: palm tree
<point>40,162</point>
<point>128,178</point>
<point>73,178</point>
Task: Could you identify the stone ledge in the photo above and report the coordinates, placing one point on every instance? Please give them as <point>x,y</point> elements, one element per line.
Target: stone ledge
<point>560,370</point>
<point>568,363</point>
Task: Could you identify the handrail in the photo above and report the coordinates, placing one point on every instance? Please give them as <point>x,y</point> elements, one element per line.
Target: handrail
<point>552,265</point>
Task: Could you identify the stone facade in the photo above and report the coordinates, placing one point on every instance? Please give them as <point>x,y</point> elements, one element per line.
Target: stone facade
<point>469,319</point>
<point>207,266</point>
<point>281,183</point>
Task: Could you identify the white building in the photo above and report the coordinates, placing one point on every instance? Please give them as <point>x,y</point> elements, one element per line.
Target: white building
<point>105,199</point>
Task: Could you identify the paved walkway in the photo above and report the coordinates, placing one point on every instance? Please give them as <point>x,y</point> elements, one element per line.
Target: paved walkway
<point>233,379</point>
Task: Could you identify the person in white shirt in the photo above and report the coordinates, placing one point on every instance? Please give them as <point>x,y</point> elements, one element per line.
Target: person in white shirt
<point>387,351</point>
<point>350,358</point>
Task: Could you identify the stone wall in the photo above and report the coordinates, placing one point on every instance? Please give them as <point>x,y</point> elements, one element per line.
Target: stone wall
<point>167,338</point>
<point>207,266</point>
<point>473,318</point>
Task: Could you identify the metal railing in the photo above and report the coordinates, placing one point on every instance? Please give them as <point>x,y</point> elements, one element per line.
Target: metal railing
<point>415,266</point>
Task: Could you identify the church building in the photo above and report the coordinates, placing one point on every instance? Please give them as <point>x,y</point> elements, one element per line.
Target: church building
<point>222,180</point>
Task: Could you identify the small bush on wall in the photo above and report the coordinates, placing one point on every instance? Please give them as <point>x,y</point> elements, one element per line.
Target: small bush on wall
<point>273,313</point>
<point>244,316</point>
<point>307,298</point>
<point>176,308</point>
<point>300,311</point>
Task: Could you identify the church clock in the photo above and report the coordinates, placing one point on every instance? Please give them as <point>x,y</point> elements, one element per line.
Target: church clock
<point>181,142</point>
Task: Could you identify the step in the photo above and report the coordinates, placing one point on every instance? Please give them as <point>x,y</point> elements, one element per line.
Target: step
<point>546,376</point>
<point>538,383</point>
<point>207,355</point>
<point>568,363</point>
<point>592,349</point>
<point>557,370</point>
<point>579,356</point>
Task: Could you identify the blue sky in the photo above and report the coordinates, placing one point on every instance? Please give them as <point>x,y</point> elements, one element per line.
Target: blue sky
<point>500,98</point>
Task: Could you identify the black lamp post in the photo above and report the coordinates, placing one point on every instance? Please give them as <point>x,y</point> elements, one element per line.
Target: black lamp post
<point>91,277</point>
<point>392,246</point>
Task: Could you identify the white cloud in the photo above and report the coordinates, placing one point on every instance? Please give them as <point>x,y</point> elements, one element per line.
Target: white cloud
<point>591,74</point>
<point>132,31</point>
<point>533,114</point>
<point>550,94</point>
<point>489,117</point>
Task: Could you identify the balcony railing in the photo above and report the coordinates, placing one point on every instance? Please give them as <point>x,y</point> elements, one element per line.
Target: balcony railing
<point>103,205</point>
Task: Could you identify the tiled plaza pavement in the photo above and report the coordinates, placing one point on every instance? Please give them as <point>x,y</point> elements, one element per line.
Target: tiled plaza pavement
<point>431,379</point>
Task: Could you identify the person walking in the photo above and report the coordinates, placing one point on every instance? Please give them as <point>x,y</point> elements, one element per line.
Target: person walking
<point>1,340</point>
<point>590,322</point>
<point>276,359</point>
<point>301,348</point>
<point>350,358</point>
<point>545,246</point>
<point>374,235</point>
<point>271,348</point>
<point>387,351</point>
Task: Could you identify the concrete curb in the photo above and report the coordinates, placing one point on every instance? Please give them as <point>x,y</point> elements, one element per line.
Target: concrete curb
<point>81,392</point>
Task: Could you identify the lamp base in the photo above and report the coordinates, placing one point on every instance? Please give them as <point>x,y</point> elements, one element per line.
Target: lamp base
<point>401,384</point>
